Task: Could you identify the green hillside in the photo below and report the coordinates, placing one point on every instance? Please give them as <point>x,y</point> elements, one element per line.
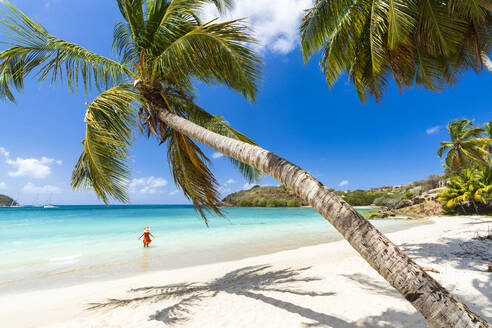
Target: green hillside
<point>6,201</point>
<point>263,197</point>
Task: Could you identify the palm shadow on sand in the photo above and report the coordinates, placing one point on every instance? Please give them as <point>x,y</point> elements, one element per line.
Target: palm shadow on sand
<point>462,254</point>
<point>250,282</point>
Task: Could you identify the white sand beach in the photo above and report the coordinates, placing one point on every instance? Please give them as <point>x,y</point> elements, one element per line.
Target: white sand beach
<point>327,285</point>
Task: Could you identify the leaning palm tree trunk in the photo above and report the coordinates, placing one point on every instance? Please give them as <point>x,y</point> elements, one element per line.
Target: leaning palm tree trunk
<point>486,61</point>
<point>436,304</point>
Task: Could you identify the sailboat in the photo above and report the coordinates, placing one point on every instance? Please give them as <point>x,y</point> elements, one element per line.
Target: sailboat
<point>37,204</point>
<point>49,205</point>
<point>13,204</point>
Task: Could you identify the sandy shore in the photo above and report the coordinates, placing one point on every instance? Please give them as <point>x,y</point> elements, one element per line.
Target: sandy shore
<point>327,285</point>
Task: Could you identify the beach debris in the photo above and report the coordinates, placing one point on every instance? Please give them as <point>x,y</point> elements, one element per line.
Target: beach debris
<point>488,236</point>
<point>426,269</point>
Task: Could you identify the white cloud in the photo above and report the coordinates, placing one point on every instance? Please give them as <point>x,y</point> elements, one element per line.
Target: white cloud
<point>433,130</point>
<point>230,181</point>
<point>175,192</point>
<point>32,167</point>
<point>275,22</point>
<point>217,155</point>
<point>4,152</point>
<point>150,185</point>
<point>343,183</point>
<point>3,186</point>
<point>33,189</point>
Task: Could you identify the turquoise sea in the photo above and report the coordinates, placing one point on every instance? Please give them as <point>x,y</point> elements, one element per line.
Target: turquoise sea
<point>44,248</point>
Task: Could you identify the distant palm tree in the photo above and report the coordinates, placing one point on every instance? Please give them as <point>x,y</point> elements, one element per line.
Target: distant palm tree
<point>163,47</point>
<point>423,42</point>
<point>467,145</point>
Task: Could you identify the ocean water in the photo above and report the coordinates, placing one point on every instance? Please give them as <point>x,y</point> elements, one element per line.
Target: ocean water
<point>45,248</point>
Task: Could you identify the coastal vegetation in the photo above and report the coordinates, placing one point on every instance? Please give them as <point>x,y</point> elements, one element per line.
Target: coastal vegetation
<point>387,197</point>
<point>468,159</point>
<point>163,47</point>
<point>268,196</point>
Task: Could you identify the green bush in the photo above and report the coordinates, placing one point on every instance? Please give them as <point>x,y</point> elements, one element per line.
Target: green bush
<point>293,203</point>
<point>276,203</point>
<point>246,203</point>
<point>361,197</point>
<point>260,202</point>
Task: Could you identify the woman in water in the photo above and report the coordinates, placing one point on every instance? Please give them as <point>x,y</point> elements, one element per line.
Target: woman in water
<point>146,234</point>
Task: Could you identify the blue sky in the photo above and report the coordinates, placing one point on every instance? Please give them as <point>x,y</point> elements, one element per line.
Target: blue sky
<point>329,133</point>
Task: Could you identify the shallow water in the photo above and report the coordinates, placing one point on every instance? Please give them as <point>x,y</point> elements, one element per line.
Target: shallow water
<point>44,248</point>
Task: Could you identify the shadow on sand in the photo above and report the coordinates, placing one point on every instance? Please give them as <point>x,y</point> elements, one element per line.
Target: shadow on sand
<point>252,282</point>
<point>463,254</point>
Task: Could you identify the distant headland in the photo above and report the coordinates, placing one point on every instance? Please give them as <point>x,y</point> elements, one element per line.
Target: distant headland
<point>416,199</point>
<point>7,201</point>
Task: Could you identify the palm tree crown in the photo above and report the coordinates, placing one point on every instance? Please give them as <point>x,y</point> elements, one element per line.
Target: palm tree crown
<point>423,42</point>
<point>467,144</point>
<point>162,45</point>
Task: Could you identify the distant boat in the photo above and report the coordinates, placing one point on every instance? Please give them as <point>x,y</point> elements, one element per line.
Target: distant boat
<point>17,206</point>
<point>37,204</point>
<point>49,204</point>
<point>13,204</point>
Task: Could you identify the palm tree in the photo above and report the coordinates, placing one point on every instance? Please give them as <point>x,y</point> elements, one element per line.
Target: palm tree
<point>162,46</point>
<point>423,42</point>
<point>466,146</point>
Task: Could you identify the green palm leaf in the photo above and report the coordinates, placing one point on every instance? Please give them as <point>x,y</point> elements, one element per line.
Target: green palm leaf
<point>103,163</point>
<point>191,173</point>
<point>215,53</point>
<point>424,42</point>
<point>32,47</point>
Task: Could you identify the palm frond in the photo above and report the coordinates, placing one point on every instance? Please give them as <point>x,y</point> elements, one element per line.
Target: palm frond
<point>190,172</point>
<point>323,20</point>
<point>133,12</point>
<point>443,148</point>
<point>401,20</point>
<point>32,48</point>
<point>103,163</point>
<point>215,53</point>
<point>192,7</point>
<point>123,44</point>
<point>478,155</point>
<point>473,132</point>
<point>9,79</point>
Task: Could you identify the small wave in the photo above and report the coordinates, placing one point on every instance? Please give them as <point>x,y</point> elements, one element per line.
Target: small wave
<point>65,259</point>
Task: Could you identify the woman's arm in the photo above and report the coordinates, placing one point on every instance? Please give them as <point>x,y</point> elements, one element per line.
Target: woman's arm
<point>152,235</point>
<point>140,237</point>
